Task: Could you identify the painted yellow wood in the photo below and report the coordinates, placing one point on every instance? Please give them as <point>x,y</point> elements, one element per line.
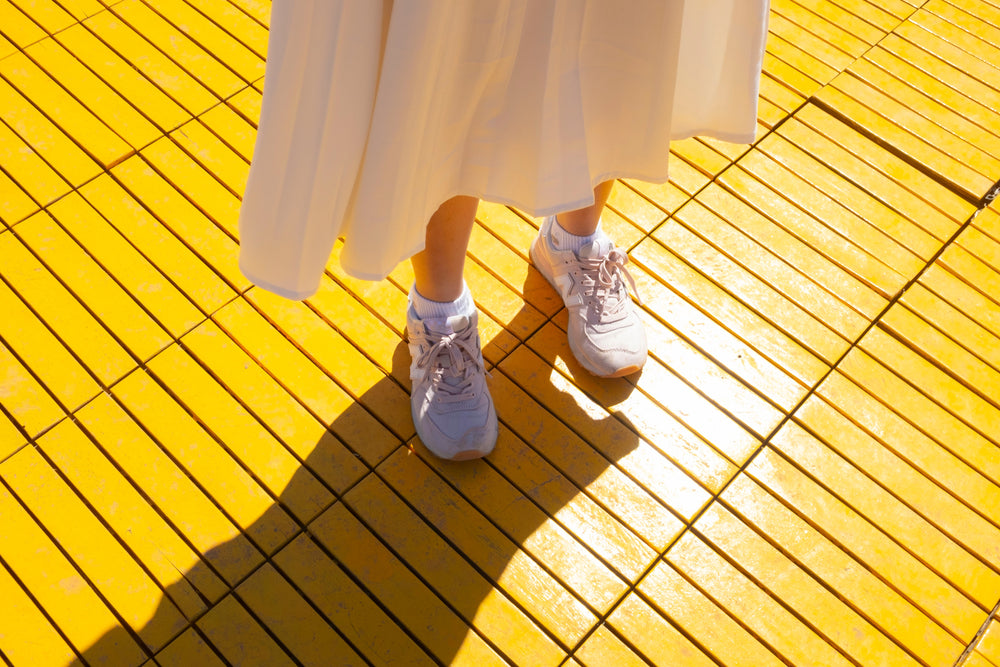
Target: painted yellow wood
<point>15,203</point>
<point>26,636</point>
<point>253,445</point>
<point>989,645</point>
<point>45,138</point>
<point>868,545</point>
<point>855,585</point>
<point>923,517</point>
<point>663,426</point>
<point>960,326</point>
<point>127,321</point>
<point>155,65</point>
<point>95,97</point>
<point>783,631</point>
<point>150,540</point>
<point>743,322</point>
<point>822,57</point>
<point>81,331</point>
<point>941,349</point>
<point>216,471</point>
<point>655,638</point>
<point>155,241</point>
<point>840,16</point>
<point>125,263</point>
<point>286,614</point>
<point>347,606</point>
<point>240,24</point>
<point>105,563</point>
<point>57,586</point>
<point>188,649</point>
<point>937,151</point>
<point>805,327</point>
<point>195,183</point>
<point>976,659</point>
<point>166,491</point>
<point>784,44</point>
<point>317,391</point>
<point>247,103</point>
<point>856,195</point>
<point>27,401</point>
<point>645,513</point>
<point>974,410</point>
<point>483,601</point>
<point>235,132</point>
<point>11,439</point>
<point>230,52</point>
<point>122,73</point>
<point>79,123</point>
<point>702,619</point>
<point>6,47</point>
<point>877,170</point>
<point>448,637</point>
<point>845,628</point>
<point>18,26</point>
<point>194,228</point>
<point>305,435</point>
<point>187,53</point>
<point>701,156</point>
<point>46,13</point>
<point>239,638</point>
<point>527,533</point>
<point>984,247</point>
<point>793,79</point>
<point>717,342</point>
<point>256,9</point>
<point>214,156</point>
<point>836,247</point>
<point>603,647</point>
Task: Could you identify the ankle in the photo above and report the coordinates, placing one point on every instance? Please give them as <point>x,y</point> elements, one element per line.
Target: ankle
<point>429,309</point>
<point>563,239</point>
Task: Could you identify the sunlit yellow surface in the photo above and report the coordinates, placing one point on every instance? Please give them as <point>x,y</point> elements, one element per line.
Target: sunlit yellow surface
<point>807,471</point>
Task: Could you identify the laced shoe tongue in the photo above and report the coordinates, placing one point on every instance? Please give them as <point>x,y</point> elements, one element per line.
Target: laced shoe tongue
<point>455,324</point>
<point>596,249</point>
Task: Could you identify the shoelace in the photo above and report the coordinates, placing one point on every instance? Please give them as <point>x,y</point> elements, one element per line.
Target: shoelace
<point>603,279</point>
<point>463,363</point>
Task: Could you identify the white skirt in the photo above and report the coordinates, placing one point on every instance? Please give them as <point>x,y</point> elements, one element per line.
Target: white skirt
<point>375,112</point>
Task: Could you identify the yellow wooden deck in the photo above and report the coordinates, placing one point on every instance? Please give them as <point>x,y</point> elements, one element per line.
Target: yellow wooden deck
<point>807,472</point>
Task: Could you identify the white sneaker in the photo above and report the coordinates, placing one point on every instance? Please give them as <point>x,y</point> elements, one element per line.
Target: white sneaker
<point>605,332</point>
<point>450,402</point>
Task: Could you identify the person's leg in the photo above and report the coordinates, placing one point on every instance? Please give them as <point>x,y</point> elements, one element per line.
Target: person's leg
<point>437,269</point>
<point>449,400</point>
<point>605,331</point>
<point>584,221</point>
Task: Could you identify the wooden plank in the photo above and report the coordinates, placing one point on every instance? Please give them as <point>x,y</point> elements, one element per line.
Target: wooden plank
<point>282,609</point>
<point>347,606</point>
<point>239,638</point>
<point>150,540</point>
<point>785,633</point>
<point>11,439</point>
<point>258,392</point>
<point>702,620</point>
<point>783,578</point>
<point>15,204</point>
<point>177,262</point>
<point>864,542</point>
<point>58,587</point>
<point>167,492</point>
<point>603,647</point>
<point>74,266</point>
<point>126,264</point>
<point>214,156</point>
<point>214,469</point>
<point>653,637</point>
<point>126,586</point>
<point>26,635</point>
<point>479,601</point>
<point>79,329</point>
<point>432,622</point>
<point>940,524</point>
<point>188,649</point>
<point>27,401</point>
<point>279,471</point>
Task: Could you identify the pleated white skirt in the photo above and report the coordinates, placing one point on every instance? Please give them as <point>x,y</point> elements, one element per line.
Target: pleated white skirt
<point>375,112</point>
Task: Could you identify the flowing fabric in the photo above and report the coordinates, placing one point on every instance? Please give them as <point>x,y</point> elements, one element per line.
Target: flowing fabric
<point>377,111</point>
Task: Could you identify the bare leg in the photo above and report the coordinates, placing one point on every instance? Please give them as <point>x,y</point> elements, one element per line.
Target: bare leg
<point>437,269</point>
<point>583,221</point>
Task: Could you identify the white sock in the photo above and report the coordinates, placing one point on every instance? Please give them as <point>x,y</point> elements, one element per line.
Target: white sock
<point>427,309</point>
<point>563,240</point>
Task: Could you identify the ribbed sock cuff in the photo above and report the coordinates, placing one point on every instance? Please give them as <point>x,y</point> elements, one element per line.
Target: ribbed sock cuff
<point>566,241</point>
<point>427,309</point>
